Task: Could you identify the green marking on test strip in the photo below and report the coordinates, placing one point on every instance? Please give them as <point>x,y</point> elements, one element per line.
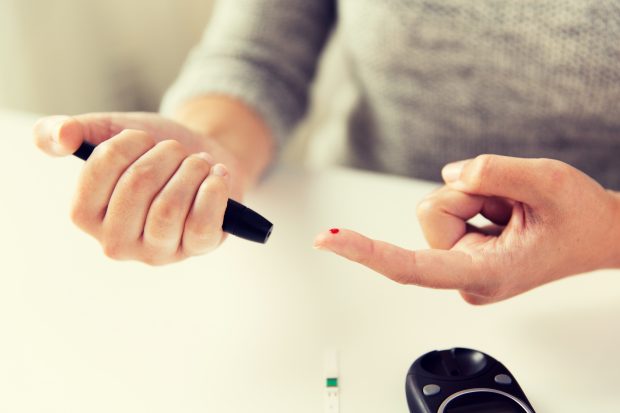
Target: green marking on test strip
<point>332,382</point>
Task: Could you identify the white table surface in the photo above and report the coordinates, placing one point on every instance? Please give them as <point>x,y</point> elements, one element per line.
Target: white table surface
<point>245,328</point>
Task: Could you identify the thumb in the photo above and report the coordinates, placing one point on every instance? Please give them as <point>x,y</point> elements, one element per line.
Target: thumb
<point>58,135</point>
<point>427,268</point>
<point>63,135</point>
<point>519,179</point>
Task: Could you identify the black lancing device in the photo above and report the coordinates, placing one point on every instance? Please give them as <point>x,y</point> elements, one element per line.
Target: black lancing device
<point>462,380</point>
<point>239,220</point>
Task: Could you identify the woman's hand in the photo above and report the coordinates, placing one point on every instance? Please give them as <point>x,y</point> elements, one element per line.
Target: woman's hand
<point>549,221</point>
<point>153,190</point>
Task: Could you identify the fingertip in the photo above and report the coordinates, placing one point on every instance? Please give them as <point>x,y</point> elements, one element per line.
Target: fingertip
<point>203,226</point>
<point>69,135</point>
<point>320,240</point>
<point>218,181</point>
<point>220,171</point>
<point>205,156</point>
<point>334,239</point>
<point>57,135</point>
<point>216,184</point>
<point>452,171</point>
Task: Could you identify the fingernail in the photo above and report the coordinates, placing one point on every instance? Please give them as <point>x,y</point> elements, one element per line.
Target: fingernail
<point>452,171</point>
<point>219,170</point>
<point>207,157</point>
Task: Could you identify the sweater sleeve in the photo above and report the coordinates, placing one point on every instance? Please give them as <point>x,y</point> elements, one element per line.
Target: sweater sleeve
<point>263,52</point>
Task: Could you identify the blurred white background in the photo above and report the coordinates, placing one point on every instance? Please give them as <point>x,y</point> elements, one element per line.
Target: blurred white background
<point>76,56</point>
<point>72,56</point>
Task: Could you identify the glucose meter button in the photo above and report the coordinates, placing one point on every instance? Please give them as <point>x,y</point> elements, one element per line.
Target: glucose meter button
<point>431,389</point>
<point>503,379</point>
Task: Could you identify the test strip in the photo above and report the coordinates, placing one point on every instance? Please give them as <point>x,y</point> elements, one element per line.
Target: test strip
<point>332,389</point>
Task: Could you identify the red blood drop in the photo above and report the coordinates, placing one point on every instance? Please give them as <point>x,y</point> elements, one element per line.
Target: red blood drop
<point>334,230</point>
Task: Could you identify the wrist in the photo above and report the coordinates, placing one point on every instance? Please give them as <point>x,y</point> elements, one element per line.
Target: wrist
<point>233,133</point>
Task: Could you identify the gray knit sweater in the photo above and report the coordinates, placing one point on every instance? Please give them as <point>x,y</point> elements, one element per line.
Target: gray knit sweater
<point>438,80</point>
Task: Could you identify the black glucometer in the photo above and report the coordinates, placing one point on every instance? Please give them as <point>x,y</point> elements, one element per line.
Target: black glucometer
<point>461,380</point>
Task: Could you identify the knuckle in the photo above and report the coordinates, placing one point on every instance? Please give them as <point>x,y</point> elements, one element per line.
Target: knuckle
<point>402,278</point>
<point>557,172</point>
<point>366,254</point>
<point>160,231</point>
<point>478,171</point>
<point>427,206</point>
<point>484,292</point>
<point>201,243</point>
<point>155,260</point>
<point>407,277</point>
<point>110,150</point>
<point>489,291</point>
<point>205,237</point>
<point>216,188</point>
<point>173,147</point>
<point>196,164</point>
<point>165,211</point>
<point>489,282</point>
<point>139,135</point>
<point>553,166</point>
<point>158,234</point>
<point>150,260</point>
<point>78,214</point>
<point>138,174</point>
<point>112,249</point>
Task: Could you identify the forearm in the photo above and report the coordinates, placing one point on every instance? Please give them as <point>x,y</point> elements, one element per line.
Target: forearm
<point>265,51</point>
<point>235,127</point>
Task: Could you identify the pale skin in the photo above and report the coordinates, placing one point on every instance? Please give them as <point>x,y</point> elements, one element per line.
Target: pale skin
<point>155,190</point>
<point>550,221</point>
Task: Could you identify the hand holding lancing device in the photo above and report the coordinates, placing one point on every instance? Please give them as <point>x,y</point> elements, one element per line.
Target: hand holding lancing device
<point>551,221</point>
<point>142,195</point>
